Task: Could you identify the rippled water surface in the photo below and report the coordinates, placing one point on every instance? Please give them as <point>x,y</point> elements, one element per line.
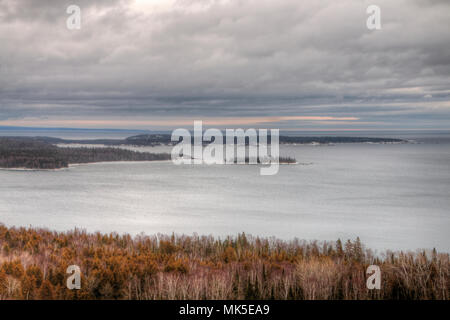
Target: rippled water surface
<point>392,196</point>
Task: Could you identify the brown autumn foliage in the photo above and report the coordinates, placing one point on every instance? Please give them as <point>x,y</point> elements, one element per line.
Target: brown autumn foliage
<point>33,265</point>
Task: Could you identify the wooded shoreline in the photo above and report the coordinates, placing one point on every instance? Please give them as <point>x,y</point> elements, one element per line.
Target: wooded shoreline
<point>33,153</point>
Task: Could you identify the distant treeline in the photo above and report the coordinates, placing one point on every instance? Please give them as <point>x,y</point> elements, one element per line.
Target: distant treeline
<point>33,264</point>
<point>326,140</point>
<point>38,153</point>
<point>156,139</point>
<point>89,155</point>
<point>165,139</point>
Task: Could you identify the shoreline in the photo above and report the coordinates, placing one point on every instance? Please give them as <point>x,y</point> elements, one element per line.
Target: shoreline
<point>72,165</point>
<point>119,162</point>
<point>76,165</point>
<point>21,169</point>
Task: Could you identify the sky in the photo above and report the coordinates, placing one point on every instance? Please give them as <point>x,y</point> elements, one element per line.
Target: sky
<point>288,64</point>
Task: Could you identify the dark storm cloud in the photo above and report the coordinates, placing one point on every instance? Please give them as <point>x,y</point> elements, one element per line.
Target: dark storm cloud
<point>165,58</point>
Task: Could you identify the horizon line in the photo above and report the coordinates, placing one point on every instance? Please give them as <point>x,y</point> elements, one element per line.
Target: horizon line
<point>168,130</point>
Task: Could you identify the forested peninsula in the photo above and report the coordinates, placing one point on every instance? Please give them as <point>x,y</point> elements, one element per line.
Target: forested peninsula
<point>37,153</point>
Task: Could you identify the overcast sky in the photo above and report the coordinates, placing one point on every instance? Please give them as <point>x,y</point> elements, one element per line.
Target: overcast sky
<point>293,64</point>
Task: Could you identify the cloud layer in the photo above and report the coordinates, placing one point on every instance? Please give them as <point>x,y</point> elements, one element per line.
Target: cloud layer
<point>167,59</point>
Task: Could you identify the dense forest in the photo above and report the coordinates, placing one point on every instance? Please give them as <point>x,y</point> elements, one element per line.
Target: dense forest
<point>35,153</point>
<point>33,265</point>
<point>28,153</point>
<point>88,155</point>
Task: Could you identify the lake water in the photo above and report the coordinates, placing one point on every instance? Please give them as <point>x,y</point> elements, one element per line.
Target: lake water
<point>391,196</point>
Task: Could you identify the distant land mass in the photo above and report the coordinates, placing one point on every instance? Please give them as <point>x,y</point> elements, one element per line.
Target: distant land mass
<point>165,139</point>
<point>159,139</point>
<point>43,152</point>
